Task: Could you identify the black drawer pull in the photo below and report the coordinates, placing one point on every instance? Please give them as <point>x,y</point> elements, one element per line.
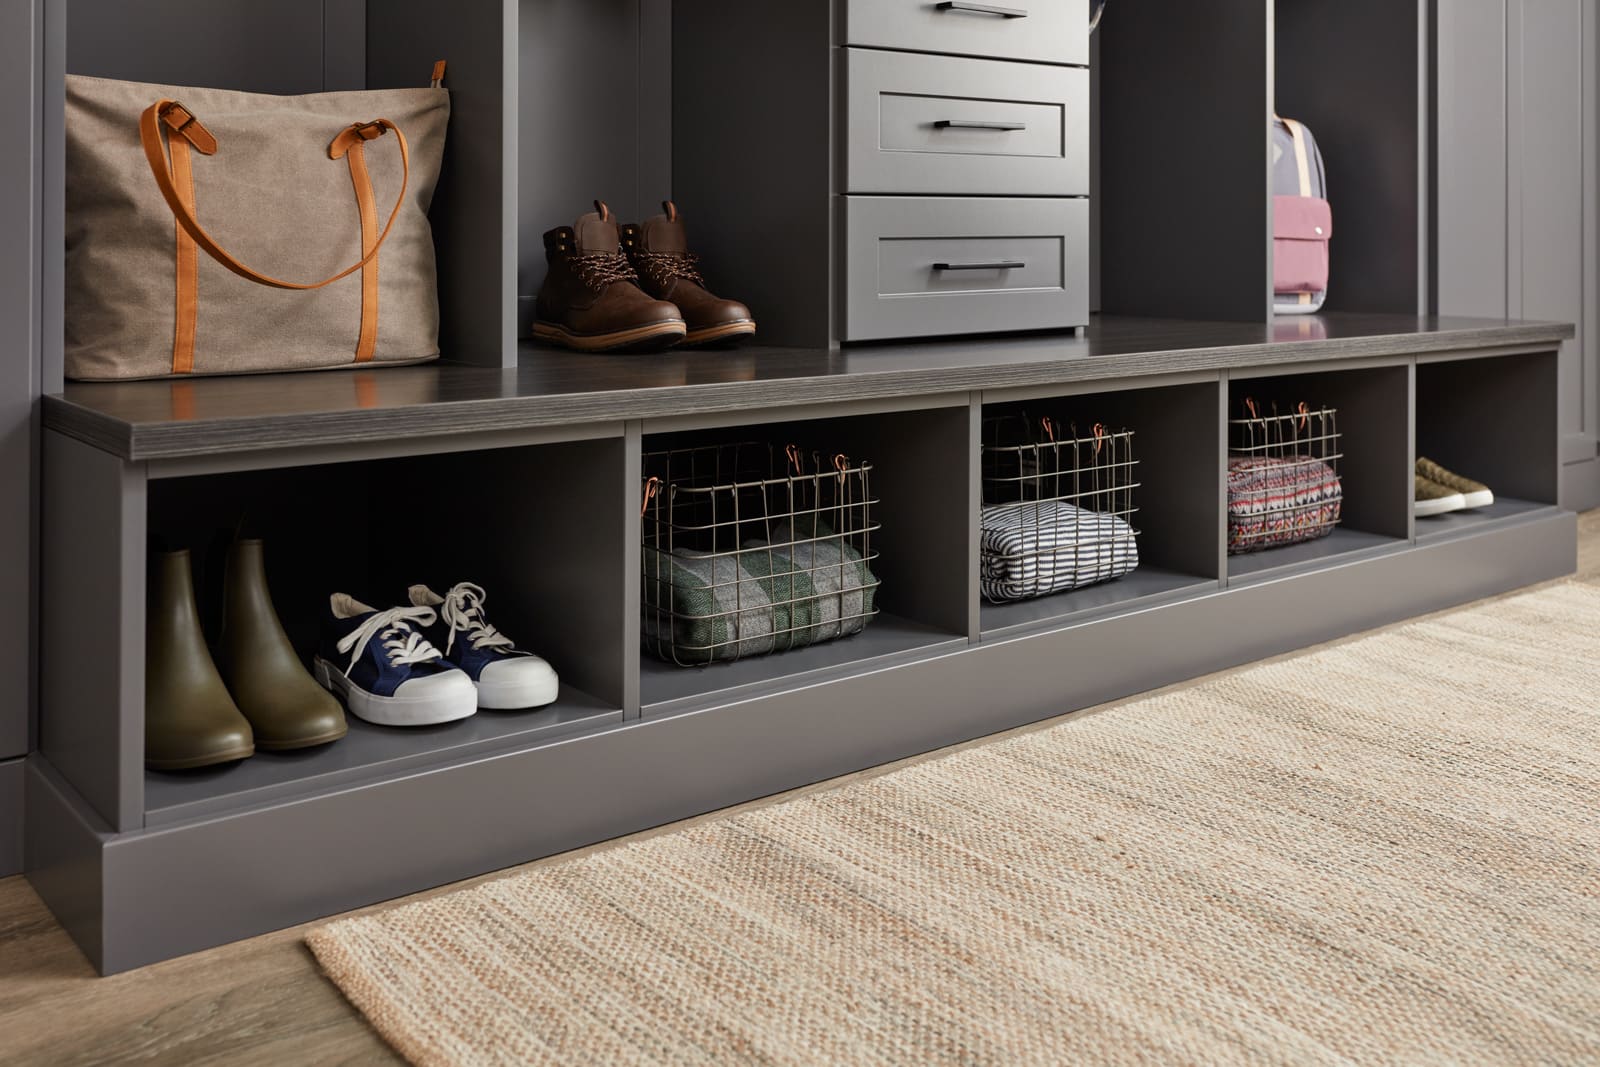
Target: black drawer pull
<point>1001,264</point>
<point>983,9</point>
<point>974,124</point>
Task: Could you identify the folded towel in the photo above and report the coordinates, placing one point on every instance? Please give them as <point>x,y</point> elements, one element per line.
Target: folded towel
<point>1275,501</point>
<point>700,608</point>
<point>1034,549</point>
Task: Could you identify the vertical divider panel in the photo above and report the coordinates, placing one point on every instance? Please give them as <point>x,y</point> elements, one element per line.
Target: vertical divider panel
<point>92,627</point>
<point>975,517</point>
<point>474,212</point>
<point>1411,444</point>
<point>1224,391</point>
<point>630,562</point>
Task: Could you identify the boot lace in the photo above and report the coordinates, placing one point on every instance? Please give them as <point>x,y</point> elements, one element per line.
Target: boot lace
<point>402,645</point>
<point>598,270</point>
<point>660,268</point>
<point>462,611</point>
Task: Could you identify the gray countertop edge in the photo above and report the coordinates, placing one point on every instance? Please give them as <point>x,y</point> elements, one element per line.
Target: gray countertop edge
<point>138,442</point>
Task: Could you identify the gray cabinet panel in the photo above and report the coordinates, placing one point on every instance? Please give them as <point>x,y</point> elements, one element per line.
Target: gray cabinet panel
<point>923,266</point>
<point>20,43</point>
<point>224,44</point>
<point>1552,210</point>
<point>1470,259</point>
<point>937,124</point>
<point>1044,31</point>
<point>10,817</point>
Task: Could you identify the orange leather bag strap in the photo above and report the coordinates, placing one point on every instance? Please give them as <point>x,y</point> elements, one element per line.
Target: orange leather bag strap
<point>181,122</point>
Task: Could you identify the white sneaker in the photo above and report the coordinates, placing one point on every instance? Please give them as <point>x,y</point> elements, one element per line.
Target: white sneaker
<point>507,678</point>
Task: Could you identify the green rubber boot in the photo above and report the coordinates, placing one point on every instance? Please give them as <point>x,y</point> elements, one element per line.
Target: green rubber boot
<point>286,707</point>
<point>189,719</point>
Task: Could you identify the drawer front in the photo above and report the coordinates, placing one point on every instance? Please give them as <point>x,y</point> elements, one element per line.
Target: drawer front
<point>940,124</point>
<point>1039,31</point>
<point>937,266</point>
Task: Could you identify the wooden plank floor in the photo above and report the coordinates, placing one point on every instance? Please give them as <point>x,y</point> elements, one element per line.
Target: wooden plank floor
<point>257,1002</point>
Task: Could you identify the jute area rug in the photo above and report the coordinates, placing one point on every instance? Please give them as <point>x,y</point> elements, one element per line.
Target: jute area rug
<point>1385,851</point>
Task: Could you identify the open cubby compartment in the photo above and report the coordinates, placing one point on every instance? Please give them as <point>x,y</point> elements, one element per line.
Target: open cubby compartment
<point>1187,172</point>
<point>1371,409</point>
<point>1172,493</point>
<point>922,486</point>
<point>520,522</point>
<point>1491,419</point>
<point>593,118</point>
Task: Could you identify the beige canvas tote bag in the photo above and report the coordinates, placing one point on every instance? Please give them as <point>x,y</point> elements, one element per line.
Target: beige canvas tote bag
<point>219,232</point>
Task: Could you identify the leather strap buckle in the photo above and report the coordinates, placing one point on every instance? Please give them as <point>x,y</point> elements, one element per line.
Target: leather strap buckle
<point>368,131</point>
<point>183,123</point>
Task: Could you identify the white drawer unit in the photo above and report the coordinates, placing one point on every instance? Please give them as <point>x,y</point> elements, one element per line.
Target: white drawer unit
<point>932,266</point>
<point>943,124</point>
<point>1039,31</point>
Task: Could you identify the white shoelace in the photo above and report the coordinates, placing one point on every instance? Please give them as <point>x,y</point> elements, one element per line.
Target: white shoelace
<point>403,645</point>
<point>463,611</point>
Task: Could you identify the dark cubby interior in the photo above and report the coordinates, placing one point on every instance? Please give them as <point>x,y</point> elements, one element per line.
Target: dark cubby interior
<point>1348,69</point>
<point>920,478</point>
<point>1175,442</point>
<point>371,529</point>
<point>1372,408</point>
<point>1491,420</point>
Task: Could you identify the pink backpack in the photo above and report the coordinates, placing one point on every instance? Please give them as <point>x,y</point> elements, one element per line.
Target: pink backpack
<point>1302,223</point>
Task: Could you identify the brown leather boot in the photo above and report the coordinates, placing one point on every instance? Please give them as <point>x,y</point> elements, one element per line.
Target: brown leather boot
<point>591,298</point>
<point>659,251</point>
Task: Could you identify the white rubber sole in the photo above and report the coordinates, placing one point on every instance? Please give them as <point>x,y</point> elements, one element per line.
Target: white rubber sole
<point>1443,505</point>
<point>446,703</point>
<point>1481,499</point>
<point>518,696</point>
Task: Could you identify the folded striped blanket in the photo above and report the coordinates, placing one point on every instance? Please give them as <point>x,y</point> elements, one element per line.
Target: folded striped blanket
<point>1034,549</point>
<point>1280,501</point>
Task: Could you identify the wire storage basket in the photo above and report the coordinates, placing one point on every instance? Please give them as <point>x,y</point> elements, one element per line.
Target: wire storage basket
<point>1283,476</point>
<point>1058,507</point>
<point>751,549</point>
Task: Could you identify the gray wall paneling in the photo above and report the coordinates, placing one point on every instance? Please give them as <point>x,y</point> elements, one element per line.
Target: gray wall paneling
<point>755,183</point>
<point>1348,69</point>
<point>282,864</point>
<point>10,817</point>
<point>475,210</point>
<point>21,84</point>
<point>92,722</point>
<point>1517,81</point>
<point>1184,203</point>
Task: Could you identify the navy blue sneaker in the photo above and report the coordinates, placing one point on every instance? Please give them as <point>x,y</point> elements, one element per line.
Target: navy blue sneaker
<point>391,674</point>
<point>507,678</point>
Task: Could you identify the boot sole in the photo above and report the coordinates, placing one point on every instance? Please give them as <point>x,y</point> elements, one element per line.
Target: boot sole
<point>726,331</point>
<point>309,742</point>
<point>200,761</point>
<point>656,335</point>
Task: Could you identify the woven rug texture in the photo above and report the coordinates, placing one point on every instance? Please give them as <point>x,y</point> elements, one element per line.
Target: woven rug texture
<point>1383,851</point>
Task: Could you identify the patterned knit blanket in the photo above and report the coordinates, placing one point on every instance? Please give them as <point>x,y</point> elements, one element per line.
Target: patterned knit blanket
<point>1280,501</point>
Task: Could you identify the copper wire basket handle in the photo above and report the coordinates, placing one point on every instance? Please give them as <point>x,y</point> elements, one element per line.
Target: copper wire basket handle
<point>1049,428</point>
<point>1099,437</point>
<point>652,487</point>
<point>841,463</point>
<point>1305,415</point>
<point>793,452</point>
